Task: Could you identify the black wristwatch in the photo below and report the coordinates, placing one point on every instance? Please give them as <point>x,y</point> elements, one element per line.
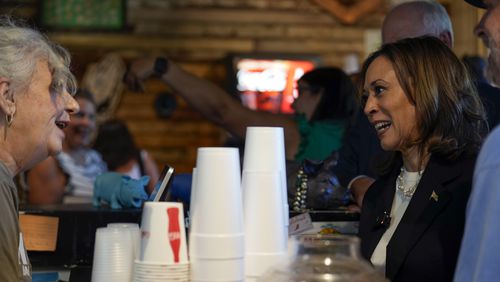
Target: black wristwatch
<point>161,66</point>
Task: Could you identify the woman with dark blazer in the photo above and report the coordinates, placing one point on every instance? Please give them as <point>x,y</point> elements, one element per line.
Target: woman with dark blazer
<point>426,111</point>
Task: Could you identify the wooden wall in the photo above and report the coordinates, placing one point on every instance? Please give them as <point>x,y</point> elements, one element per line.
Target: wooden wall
<point>199,34</point>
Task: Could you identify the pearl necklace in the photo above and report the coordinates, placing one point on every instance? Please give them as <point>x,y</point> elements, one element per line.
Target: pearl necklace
<point>299,204</point>
<point>401,181</point>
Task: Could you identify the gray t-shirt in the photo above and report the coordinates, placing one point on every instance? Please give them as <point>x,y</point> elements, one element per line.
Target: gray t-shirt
<point>14,263</point>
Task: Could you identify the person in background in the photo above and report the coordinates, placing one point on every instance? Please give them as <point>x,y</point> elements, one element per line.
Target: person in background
<point>323,110</point>
<point>35,107</point>
<point>77,162</point>
<point>361,150</point>
<point>479,254</point>
<point>118,150</point>
<point>476,66</point>
<point>323,107</point>
<point>424,107</point>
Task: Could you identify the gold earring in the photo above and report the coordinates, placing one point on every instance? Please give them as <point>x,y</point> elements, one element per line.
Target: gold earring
<point>8,122</point>
<point>9,119</point>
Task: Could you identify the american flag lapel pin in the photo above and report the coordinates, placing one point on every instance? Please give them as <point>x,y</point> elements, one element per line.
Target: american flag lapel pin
<point>434,196</point>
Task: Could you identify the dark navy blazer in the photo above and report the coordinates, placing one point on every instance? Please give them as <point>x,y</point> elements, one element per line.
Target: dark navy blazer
<point>426,243</point>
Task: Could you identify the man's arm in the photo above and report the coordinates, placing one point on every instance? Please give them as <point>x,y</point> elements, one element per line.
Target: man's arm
<point>358,187</point>
<point>213,102</point>
<point>353,168</point>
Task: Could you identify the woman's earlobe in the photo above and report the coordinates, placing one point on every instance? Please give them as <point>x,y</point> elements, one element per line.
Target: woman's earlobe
<point>7,103</point>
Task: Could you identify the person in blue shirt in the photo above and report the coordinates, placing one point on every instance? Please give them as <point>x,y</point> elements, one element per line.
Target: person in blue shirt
<point>480,251</point>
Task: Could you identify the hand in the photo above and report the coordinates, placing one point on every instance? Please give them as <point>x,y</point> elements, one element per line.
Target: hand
<point>359,187</point>
<point>354,208</point>
<point>137,71</point>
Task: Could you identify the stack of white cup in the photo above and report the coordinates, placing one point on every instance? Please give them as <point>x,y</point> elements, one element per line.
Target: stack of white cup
<point>163,255</point>
<point>113,255</point>
<point>135,233</point>
<point>192,199</point>
<point>265,200</point>
<point>216,245</point>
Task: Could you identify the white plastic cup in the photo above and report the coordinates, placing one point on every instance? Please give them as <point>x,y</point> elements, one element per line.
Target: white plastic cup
<point>192,199</point>
<point>213,246</point>
<point>163,233</point>
<point>218,207</point>
<point>220,270</point>
<point>264,244</point>
<point>149,272</point>
<point>113,255</point>
<point>265,151</point>
<point>135,231</point>
<point>216,233</point>
<point>262,213</point>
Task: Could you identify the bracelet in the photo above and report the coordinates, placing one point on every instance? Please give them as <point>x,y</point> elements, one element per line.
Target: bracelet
<point>299,204</point>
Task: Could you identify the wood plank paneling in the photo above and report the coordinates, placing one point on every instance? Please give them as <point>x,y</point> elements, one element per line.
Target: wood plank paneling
<point>199,34</point>
<point>232,16</point>
<point>148,43</point>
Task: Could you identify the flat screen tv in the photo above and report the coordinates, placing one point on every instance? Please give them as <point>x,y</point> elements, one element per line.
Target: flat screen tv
<point>268,82</point>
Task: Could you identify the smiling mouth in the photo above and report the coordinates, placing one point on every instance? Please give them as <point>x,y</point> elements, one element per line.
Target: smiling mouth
<point>382,126</point>
<point>62,124</point>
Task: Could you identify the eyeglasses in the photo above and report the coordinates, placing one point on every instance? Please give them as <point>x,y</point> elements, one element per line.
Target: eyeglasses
<point>302,89</point>
<point>82,115</point>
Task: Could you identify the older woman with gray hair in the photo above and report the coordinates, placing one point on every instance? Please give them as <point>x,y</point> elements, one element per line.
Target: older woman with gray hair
<point>35,104</point>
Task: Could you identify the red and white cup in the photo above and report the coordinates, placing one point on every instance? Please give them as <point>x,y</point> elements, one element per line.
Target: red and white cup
<point>163,234</point>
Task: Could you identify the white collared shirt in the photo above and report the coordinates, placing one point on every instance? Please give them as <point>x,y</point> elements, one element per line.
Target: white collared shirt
<point>399,205</point>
